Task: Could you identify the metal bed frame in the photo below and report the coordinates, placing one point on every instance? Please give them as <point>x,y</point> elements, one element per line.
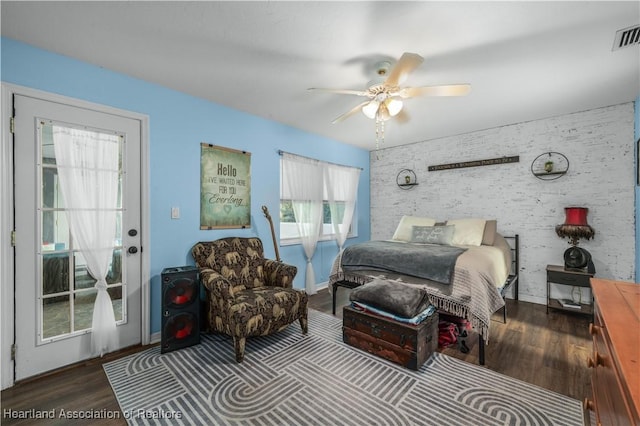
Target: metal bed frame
<point>512,281</point>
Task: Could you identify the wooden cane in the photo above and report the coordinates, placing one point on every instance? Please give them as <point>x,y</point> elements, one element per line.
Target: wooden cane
<point>265,210</point>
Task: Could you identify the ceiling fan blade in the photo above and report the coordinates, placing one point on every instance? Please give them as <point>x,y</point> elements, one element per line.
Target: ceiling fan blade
<point>402,117</point>
<point>443,90</point>
<point>351,112</point>
<point>340,91</point>
<point>407,63</point>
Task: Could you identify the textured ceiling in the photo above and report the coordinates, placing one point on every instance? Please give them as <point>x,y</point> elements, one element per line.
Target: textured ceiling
<point>524,60</point>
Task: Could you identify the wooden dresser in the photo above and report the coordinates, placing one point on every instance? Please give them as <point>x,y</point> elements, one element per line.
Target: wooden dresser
<point>615,360</point>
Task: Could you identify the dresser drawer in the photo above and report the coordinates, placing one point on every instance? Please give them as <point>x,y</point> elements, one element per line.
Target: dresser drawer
<point>561,277</point>
<point>600,400</point>
<point>611,403</point>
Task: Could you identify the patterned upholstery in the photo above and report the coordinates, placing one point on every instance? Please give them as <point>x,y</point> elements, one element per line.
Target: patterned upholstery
<point>247,295</point>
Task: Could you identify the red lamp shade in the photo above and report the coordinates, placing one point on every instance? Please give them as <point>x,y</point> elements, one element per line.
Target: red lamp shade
<point>575,225</point>
<point>576,216</point>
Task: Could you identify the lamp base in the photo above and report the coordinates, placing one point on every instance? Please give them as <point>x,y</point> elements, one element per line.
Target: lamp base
<point>578,259</point>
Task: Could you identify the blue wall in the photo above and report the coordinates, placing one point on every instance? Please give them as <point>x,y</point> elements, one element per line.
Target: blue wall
<point>637,134</point>
<point>178,124</point>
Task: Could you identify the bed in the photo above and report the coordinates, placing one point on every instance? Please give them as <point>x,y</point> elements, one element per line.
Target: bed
<point>465,266</point>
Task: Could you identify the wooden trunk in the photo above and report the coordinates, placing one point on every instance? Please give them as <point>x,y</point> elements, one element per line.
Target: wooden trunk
<point>404,344</point>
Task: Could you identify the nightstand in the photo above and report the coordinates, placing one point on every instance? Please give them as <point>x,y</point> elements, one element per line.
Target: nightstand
<point>558,275</point>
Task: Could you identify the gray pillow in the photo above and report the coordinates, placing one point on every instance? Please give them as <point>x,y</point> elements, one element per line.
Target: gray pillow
<point>432,234</point>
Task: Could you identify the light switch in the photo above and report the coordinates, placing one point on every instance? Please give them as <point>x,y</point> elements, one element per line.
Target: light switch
<point>175,212</point>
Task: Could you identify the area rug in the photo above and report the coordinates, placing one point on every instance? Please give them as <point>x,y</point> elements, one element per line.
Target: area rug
<point>292,379</point>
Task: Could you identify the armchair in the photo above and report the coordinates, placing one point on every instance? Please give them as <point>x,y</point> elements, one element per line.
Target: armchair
<point>247,295</point>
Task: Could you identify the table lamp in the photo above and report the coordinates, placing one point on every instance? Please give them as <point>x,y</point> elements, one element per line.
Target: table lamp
<point>575,227</point>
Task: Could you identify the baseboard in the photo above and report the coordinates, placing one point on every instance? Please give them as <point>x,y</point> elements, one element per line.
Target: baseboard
<point>155,338</point>
<point>533,299</point>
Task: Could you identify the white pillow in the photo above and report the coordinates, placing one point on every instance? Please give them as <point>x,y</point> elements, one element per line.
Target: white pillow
<point>404,230</point>
<point>468,232</point>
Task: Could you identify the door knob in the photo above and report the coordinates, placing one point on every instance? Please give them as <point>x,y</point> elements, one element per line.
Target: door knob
<point>132,250</point>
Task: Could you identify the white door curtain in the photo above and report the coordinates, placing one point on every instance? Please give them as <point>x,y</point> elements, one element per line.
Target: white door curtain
<point>88,169</point>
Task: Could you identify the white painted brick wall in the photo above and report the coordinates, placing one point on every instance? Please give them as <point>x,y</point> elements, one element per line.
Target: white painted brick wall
<point>600,147</point>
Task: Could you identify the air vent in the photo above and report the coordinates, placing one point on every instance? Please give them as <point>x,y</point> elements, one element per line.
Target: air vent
<point>627,37</point>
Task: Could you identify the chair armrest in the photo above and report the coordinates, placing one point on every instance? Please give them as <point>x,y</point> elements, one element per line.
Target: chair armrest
<point>279,274</point>
<point>216,283</point>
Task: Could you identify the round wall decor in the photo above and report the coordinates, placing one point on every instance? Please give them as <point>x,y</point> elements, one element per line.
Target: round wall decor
<point>550,166</point>
<point>406,179</point>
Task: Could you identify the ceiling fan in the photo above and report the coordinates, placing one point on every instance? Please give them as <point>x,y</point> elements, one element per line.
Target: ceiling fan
<point>384,94</point>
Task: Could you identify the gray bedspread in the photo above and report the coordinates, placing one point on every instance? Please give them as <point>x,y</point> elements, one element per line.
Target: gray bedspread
<point>429,261</point>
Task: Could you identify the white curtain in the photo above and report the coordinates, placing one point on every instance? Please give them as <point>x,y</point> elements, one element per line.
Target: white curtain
<point>88,171</point>
<point>341,186</point>
<point>303,185</point>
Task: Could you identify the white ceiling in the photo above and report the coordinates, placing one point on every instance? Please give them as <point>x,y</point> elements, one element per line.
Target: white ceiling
<point>524,60</point>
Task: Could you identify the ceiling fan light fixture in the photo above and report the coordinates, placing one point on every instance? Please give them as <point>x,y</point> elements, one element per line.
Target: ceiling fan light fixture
<point>394,106</point>
<point>371,109</point>
<point>383,113</point>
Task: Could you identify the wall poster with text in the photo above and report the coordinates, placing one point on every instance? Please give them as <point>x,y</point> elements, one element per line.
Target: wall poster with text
<point>225,187</point>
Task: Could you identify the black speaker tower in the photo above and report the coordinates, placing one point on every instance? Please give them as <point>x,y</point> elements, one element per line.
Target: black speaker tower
<point>180,308</point>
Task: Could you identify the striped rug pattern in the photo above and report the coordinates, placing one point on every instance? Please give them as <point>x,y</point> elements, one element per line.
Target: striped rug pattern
<point>292,379</point>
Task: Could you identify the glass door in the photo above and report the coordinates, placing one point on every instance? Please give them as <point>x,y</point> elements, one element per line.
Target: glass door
<point>67,288</point>
<point>54,291</point>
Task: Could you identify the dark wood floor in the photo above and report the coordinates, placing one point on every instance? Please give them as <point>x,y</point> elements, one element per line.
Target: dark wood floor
<point>546,350</point>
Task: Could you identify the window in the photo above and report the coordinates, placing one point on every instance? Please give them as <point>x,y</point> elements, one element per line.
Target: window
<point>289,230</point>
<point>337,187</point>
